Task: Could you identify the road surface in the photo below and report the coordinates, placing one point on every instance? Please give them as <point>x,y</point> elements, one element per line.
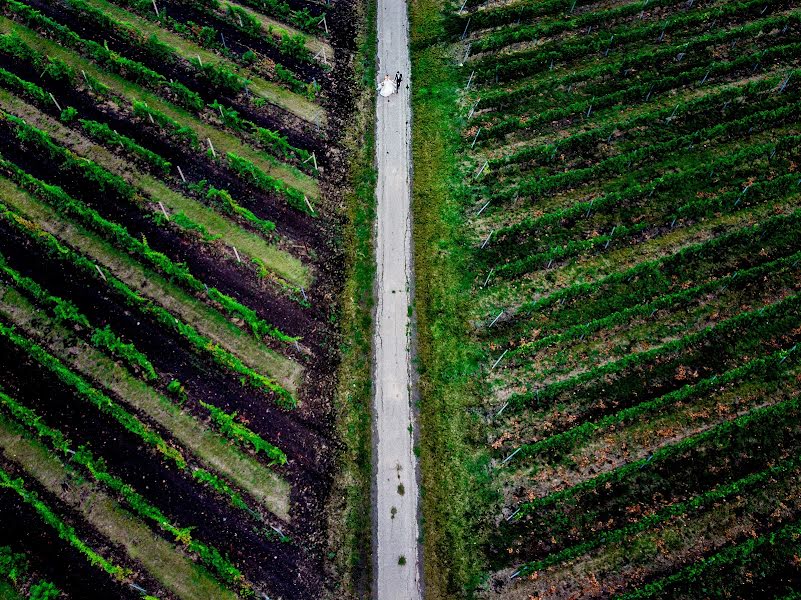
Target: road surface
<point>395,493</point>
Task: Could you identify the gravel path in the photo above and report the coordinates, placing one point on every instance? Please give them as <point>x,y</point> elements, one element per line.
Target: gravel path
<point>395,491</point>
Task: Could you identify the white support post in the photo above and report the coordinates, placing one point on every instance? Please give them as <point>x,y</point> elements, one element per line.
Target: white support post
<point>101,273</point>
<point>181,173</point>
<point>53,98</point>
<point>488,239</point>
<point>211,147</point>
<point>199,60</point>
<point>324,23</point>
<point>500,358</point>
<point>473,109</point>
<point>239,260</point>
<point>306,199</point>
<point>161,206</point>
<point>469,81</point>
<point>475,138</point>
<point>156,8</point>
<point>481,170</point>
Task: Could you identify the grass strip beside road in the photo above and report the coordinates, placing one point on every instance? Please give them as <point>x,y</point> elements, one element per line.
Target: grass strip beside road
<point>350,523</point>
<point>456,481</point>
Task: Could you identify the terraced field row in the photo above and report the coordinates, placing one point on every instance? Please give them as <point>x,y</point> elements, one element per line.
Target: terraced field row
<point>628,186</point>
<point>170,196</point>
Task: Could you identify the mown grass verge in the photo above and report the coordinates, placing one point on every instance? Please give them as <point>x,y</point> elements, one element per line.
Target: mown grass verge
<point>353,534</point>
<point>456,491</point>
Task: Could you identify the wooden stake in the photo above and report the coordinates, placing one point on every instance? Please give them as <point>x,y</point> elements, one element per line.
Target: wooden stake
<point>181,173</point>
<point>495,320</point>
<point>308,204</point>
<point>478,214</point>
<point>324,23</point>
<point>486,281</point>
<point>199,60</point>
<point>469,81</point>
<point>161,206</point>
<point>101,273</point>
<point>211,147</point>
<point>484,166</point>
<point>239,260</point>
<point>156,8</point>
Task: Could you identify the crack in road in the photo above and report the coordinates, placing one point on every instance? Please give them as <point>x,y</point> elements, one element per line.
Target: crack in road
<point>395,485</point>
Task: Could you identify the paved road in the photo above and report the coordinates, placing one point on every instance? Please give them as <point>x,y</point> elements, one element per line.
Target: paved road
<point>395,528</point>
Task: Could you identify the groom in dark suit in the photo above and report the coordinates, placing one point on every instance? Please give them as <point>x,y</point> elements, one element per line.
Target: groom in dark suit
<point>398,79</point>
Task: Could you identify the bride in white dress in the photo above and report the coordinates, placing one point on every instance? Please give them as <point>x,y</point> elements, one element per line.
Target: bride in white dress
<point>387,87</point>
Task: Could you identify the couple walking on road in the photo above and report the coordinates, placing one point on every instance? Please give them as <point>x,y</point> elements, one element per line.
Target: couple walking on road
<point>388,87</point>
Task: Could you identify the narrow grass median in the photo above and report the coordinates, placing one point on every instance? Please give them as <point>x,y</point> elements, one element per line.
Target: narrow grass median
<point>456,493</point>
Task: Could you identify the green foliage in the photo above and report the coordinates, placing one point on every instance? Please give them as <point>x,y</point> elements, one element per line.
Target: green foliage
<point>68,115</point>
<point>107,339</point>
<point>13,565</point>
<point>105,181</point>
<point>180,132</point>
<point>66,312</point>
<point>164,318</point>
<point>64,531</point>
<point>113,62</point>
<point>30,90</point>
<point>94,397</point>
<point>253,174</point>
<point>281,10</point>
<point>44,590</point>
<point>234,430</point>
<point>287,77</point>
<point>99,472</point>
<point>104,134</point>
<point>222,200</point>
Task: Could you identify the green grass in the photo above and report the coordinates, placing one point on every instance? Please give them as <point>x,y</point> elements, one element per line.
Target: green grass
<point>352,538</point>
<point>247,243</point>
<point>209,447</point>
<point>223,141</point>
<point>205,319</point>
<point>455,477</point>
